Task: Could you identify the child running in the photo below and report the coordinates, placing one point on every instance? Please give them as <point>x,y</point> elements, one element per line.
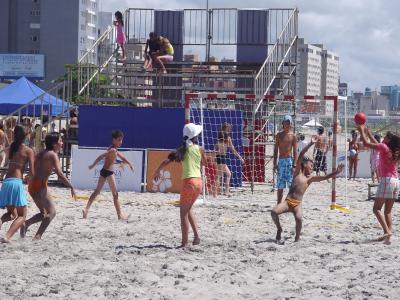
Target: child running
<point>301,181</point>
<point>46,162</point>
<point>12,194</point>
<point>192,157</point>
<point>286,147</point>
<point>121,39</point>
<point>107,173</point>
<point>388,190</point>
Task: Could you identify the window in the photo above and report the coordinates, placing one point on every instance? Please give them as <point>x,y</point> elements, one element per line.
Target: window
<point>35,1</point>
<point>34,51</point>
<point>35,12</point>
<point>34,38</point>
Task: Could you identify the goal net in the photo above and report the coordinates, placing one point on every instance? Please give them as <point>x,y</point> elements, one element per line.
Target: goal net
<point>238,137</point>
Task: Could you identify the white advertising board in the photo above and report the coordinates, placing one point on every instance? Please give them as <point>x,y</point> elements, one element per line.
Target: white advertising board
<point>14,66</point>
<point>83,178</point>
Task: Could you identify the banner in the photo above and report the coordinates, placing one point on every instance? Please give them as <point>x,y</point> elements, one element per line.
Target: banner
<point>83,178</point>
<point>14,66</point>
<point>170,181</point>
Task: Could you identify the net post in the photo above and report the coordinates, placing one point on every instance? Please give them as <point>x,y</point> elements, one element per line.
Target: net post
<point>334,146</point>
<point>204,178</point>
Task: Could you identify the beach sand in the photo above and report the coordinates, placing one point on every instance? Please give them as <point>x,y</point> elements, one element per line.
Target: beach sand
<point>237,259</point>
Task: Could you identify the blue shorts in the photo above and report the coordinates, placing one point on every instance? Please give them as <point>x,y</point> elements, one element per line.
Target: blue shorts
<point>285,175</point>
<point>12,193</point>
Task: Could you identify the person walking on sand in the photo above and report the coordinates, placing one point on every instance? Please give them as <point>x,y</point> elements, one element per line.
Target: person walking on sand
<point>388,189</point>
<point>12,194</point>
<point>46,162</point>
<point>193,158</point>
<point>107,173</point>
<point>121,38</point>
<point>286,147</point>
<point>301,181</point>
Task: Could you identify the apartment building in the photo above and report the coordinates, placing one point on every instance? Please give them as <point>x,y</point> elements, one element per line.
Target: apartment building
<point>61,30</point>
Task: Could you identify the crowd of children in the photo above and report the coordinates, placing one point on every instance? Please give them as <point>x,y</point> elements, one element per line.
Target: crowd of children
<point>293,172</point>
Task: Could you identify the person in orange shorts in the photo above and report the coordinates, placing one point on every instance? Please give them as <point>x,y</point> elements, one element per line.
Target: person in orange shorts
<point>45,162</point>
<point>301,181</point>
<point>192,157</point>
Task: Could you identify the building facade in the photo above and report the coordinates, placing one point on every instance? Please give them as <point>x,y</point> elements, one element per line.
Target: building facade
<point>61,30</point>
<point>317,70</point>
<point>393,93</point>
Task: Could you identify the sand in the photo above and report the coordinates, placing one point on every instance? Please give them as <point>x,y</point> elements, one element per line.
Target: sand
<point>238,259</point>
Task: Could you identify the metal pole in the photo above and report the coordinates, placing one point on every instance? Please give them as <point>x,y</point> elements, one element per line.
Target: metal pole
<point>203,145</point>
<point>334,150</point>
<point>209,37</point>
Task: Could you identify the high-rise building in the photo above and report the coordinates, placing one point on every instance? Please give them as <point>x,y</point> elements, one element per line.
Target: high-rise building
<point>373,103</point>
<point>393,93</point>
<point>329,73</point>
<point>61,30</point>
<point>343,89</point>
<point>317,71</point>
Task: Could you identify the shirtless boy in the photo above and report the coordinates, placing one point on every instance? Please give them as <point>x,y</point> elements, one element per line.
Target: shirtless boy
<point>320,151</point>
<point>286,145</point>
<point>302,179</point>
<point>107,173</point>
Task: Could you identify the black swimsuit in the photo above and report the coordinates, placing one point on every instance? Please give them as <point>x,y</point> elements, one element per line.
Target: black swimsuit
<point>221,159</point>
<point>105,173</point>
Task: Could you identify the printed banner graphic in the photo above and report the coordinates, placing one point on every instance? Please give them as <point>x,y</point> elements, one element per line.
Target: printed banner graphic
<point>170,180</point>
<point>83,178</point>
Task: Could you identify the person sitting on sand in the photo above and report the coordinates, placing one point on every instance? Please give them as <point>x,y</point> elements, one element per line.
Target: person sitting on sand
<point>12,194</point>
<point>107,173</point>
<point>193,158</point>
<point>46,162</point>
<point>388,190</point>
<point>301,180</point>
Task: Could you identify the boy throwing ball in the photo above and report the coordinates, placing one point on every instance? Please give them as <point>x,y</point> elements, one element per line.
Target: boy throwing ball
<point>301,180</point>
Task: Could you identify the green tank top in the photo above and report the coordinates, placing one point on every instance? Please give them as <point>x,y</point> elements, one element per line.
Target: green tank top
<point>169,49</point>
<point>192,162</point>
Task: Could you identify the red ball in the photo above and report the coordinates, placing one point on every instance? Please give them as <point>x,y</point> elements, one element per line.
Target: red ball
<point>360,118</point>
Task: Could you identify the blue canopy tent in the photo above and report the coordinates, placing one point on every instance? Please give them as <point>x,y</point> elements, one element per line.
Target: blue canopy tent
<point>21,92</point>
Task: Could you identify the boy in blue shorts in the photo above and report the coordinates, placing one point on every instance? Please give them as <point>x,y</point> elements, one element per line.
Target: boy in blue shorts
<point>286,150</point>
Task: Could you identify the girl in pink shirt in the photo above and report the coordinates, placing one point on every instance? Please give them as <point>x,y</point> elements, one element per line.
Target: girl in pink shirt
<point>121,39</point>
<point>388,190</point>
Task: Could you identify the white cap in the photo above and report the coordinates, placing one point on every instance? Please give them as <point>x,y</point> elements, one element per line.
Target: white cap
<point>192,130</point>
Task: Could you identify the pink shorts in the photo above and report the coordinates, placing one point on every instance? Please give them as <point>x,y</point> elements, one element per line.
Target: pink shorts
<point>166,57</point>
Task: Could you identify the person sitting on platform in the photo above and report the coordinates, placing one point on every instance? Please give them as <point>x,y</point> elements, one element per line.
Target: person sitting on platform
<point>152,50</point>
<point>167,54</point>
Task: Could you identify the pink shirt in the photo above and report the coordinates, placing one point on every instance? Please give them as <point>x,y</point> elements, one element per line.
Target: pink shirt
<point>387,166</point>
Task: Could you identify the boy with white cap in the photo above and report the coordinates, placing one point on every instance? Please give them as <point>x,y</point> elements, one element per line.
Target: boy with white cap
<point>286,147</point>
<point>192,157</point>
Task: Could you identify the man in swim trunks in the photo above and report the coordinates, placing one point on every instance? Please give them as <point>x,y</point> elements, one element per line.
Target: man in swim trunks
<point>320,150</point>
<point>286,146</point>
<point>107,173</point>
<point>302,179</point>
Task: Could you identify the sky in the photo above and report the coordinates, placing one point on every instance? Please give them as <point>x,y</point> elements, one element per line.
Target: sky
<point>364,33</point>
